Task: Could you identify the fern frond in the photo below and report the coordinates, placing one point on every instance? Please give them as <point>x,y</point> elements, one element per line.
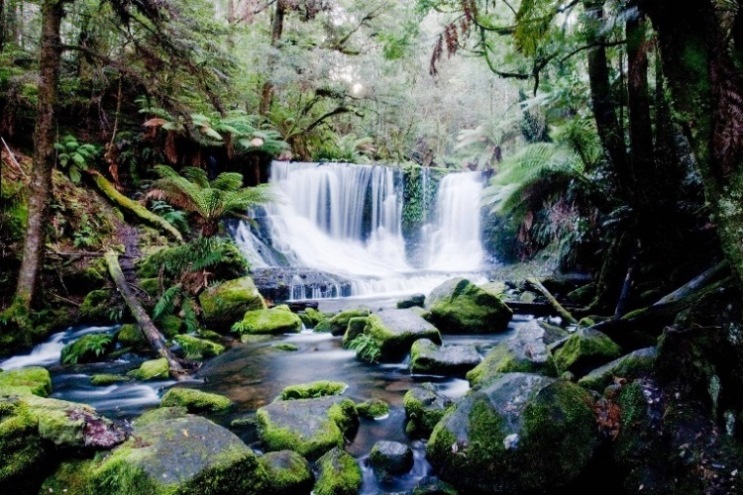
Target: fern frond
<point>167,302</point>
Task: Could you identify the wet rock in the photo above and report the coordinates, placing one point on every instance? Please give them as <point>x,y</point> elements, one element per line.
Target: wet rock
<point>424,408</point>
<point>196,348</point>
<point>354,329</point>
<point>339,474</point>
<point>282,284</point>
<point>459,306</point>
<point>637,364</point>
<point>452,360</point>
<point>416,300</point>
<point>226,303</point>
<point>160,414</point>
<point>520,433</point>
<point>288,473</point>
<point>274,321</point>
<point>373,409</point>
<point>585,350</point>
<point>395,330</point>
<point>310,427</point>
<point>155,369</point>
<point>103,380</point>
<point>433,486</point>
<point>322,388</point>
<point>338,324</point>
<point>311,317</point>
<point>130,335</point>
<point>195,401</point>
<point>390,458</point>
<point>525,352</point>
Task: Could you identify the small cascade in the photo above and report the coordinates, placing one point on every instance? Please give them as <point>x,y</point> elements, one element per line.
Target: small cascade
<point>336,231</point>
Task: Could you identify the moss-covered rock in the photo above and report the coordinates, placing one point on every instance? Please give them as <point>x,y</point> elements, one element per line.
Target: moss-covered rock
<point>390,458</point>
<point>433,486</point>
<point>424,408</point>
<point>226,303</point>
<point>451,359</point>
<point>459,306</point>
<point>584,351</point>
<point>637,364</point>
<point>196,348</point>
<point>312,317</point>
<point>89,348</point>
<point>155,369</point>
<point>338,324</point>
<point>525,352</point>
<point>274,321</point>
<point>416,300</point>
<point>354,329</point>
<point>195,401</point>
<point>32,380</point>
<point>521,433</point>
<point>373,409</point>
<point>310,427</point>
<point>170,325</point>
<point>286,346</point>
<point>395,330</point>
<point>103,380</point>
<point>288,473</point>
<point>183,456</point>
<point>322,388</point>
<point>96,307</point>
<point>339,474</point>
<point>151,286</point>
<point>130,335</point>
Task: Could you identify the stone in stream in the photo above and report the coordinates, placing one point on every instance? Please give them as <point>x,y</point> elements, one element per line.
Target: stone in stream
<point>195,401</point>
<point>585,350</point>
<point>522,433</point>
<point>424,407</point>
<point>289,473</point>
<point>310,427</point>
<point>390,458</point>
<point>449,359</point>
<point>395,330</point>
<point>339,474</point>
<point>338,324</point>
<point>321,388</point>
<point>274,321</point>
<point>226,303</point>
<point>373,409</point>
<point>155,369</point>
<point>637,364</point>
<point>196,348</point>
<point>459,306</point>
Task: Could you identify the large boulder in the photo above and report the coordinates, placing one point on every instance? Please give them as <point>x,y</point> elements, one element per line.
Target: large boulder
<point>181,456</point>
<point>274,321</point>
<point>450,359</point>
<point>226,303</point>
<point>390,458</point>
<point>395,330</point>
<point>637,364</point>
<point>521,433</point>
<point>310,427</point>
<point>525,352</point>
<point>339,474</point>
<point>288,473</point>
<point>584,351</point>
<point>424,408</point>
<point>459,306</point>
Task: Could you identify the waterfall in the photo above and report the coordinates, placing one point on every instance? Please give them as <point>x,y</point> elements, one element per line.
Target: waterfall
<point>345,220</point>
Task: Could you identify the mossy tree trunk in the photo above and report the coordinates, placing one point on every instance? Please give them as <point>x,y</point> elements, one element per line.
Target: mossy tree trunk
<point>52,12</point>
<point>702,56</point>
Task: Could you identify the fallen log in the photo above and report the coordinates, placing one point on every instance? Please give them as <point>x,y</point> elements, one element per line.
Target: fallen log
<point>564,313</point>
<point>150,331</point>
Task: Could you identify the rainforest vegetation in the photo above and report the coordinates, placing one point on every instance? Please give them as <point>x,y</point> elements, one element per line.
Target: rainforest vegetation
<point>608,135</point>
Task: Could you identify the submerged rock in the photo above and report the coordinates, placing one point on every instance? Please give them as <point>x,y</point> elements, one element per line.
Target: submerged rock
<point>226,303</point>
<point>637,364</point>
<point>310,427</point>
<point>454,360</point>
<point>103,380</point>
<point>390,458</point>
<point>459,306</point>
<point>275,321</point>
<point>288,473</point>
<point>424,408</point>
<point>584,351</point>
<point>339,474</point>
<point>521,433</point>
<point>395,330</point>
<point>195,401</point>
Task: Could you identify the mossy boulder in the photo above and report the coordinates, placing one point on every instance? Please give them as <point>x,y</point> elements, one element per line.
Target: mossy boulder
<point>525,352</point>
<point>32,380</point>
<point>226,303</point>
<point>90,348</point>
<point>424,408</point>
<point>584,351</point>
<point>338,474</point>
<point>390,458</point>
<point>322,388</point>
<point>160,414</point>
<point>288,473</point>
<point>155,369</point>
<point>170,325</point>
<point>637,364</point>
<point>373,409</point>
<point>355,328</point>
<point>416,300</point>
<point>196,348</point>
<point>459,306</point>
<point>395,330</point>
<point>195,401</point>
<point>96,308</point>
<point>451,359</point>
<point>104,379</point>
<point>130,335</point>
<point>182,456</point>
<point>521,433</point>
<point>312,317</point>
<point>274,321</point>
<point>310,427</point>
<point>338,324</point>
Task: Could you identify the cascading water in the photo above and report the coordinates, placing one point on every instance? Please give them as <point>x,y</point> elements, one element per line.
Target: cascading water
<point>345,220</point>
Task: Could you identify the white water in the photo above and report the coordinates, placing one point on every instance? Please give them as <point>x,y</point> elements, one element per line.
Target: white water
<point>345,219</point>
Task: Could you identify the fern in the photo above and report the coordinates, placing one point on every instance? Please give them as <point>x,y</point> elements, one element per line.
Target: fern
<point>190,318</point>
<point>366,348</point>
<point>167,302</point>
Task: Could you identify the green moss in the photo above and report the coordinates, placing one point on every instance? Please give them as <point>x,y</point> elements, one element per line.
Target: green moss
<point>323,326</point>
<point>22,451</point>
<point>96,307</point>
<point>227,302</point>
<point>586,350</point>
<point>286,346</point>
<point>170,325</point>
<point>354,329</point>
<point>459,306</point>
<point>312,317</point>
<point>395,343</point>
<point>196,401</point>
<point>156,369</point>
<point>33,380</point>
<point>502,359</point>
<point>195,348</point>
<point>150,285</point>
<point>105,379</point>
<point>321,388</point>
<point>632,366</point>
<point>339,474</point>
<point>130,335</point>
<point>70,478</point>
<point>160,414</point>
<point>424,408</point>
<point>90,348</point>
<point>268,321</point>
<point>288,472</point>
<point>373,409</point>
<point>339,322</point>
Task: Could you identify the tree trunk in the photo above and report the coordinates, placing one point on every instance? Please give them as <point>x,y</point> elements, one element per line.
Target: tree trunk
<point>44,155</point>
<point>2,25</point>
<point>277,30</point>
<point>150,331</point>
<point>707,90</point>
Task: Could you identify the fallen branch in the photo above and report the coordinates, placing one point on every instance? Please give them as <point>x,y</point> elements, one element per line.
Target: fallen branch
<point>150,331</point>
<point>695,284</point>
<point>134,207</point>
<point>13,160</point>
<point>564,313</point>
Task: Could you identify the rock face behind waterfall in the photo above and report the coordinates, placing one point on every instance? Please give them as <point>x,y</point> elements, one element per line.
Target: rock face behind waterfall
<point>459,306</point>
<point>522,433</point>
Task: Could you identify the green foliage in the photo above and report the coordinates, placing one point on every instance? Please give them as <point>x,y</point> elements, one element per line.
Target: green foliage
<point>167,302</point>
<point>87,348</point>
<point>348,148</point>
<point>176,218</point>
<point>366,348</point>
<point>75,157</point>
<point>217,255</point>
